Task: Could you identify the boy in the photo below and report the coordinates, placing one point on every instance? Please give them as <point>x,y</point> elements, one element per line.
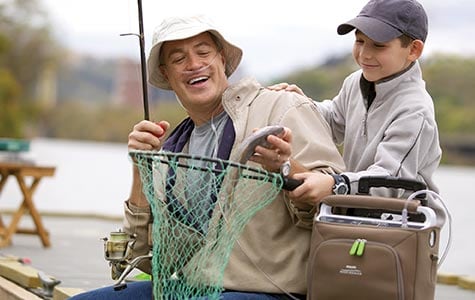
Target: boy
<point>383,115</point>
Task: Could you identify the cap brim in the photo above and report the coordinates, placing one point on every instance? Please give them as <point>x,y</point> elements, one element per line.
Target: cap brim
<point>375,29</point>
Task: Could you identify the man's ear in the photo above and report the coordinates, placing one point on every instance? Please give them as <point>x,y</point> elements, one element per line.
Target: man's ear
<point>164,72</point>
<point>416,48</point>
<point>223,58</point>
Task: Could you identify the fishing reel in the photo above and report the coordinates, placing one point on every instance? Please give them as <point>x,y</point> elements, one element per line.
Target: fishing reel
<point>118,252</point>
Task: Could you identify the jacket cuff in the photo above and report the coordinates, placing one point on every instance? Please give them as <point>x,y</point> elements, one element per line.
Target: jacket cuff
<point>136,209</point>
<point>304,217</point>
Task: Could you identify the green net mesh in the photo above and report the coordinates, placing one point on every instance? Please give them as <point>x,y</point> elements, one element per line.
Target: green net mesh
<point>199,208</point>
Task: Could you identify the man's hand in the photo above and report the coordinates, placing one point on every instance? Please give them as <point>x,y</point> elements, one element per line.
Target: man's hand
<point>147,135</point>
<point>278,151</point>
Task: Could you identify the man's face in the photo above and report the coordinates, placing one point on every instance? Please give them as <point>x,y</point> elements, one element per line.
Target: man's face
<point>195,69</point>
<point>380,60</point>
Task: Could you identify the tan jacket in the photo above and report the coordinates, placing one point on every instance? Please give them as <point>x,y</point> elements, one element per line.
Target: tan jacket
<point>271,255</point>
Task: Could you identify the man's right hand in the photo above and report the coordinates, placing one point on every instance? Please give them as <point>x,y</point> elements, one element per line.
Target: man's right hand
<point>147,135</point>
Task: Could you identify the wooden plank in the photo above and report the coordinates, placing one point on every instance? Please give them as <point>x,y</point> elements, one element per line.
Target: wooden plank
<point>37,171</point>
<point>447,278</point>
<point>65,293</point>
<point>12,291</point>
<point>29,231</point>
<point>23,275</point>
<point>467,282</point>
<point>26,169</point>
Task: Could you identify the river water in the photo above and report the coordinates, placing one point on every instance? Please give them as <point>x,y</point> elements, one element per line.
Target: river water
<point>94,178</point>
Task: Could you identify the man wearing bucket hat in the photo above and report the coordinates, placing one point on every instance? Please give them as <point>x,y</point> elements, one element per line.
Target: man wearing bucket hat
<point>383,115</point>
<point>191,57</point>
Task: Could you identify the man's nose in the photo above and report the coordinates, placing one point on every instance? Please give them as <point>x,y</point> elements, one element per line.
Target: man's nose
<point>194,62</point>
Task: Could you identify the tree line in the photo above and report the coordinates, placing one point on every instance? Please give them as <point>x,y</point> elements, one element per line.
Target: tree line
<point>27,47</point>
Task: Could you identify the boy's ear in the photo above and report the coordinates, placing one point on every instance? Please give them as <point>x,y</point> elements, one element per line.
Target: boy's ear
<point>416,50</point>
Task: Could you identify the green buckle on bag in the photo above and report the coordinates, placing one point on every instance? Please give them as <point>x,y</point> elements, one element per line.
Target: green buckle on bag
<point>358,247</point>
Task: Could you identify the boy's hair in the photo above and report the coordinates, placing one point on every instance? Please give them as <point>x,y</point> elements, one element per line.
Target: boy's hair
<point>385,20</point>
<point>405,40</point>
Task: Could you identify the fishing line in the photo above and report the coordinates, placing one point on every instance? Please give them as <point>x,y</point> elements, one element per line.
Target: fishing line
<point>216,137</point>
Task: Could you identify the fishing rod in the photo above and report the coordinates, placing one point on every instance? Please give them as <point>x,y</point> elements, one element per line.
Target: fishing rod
<point>143,65</point>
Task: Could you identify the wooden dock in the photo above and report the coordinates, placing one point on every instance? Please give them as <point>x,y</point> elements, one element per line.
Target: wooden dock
<point>76,259</point>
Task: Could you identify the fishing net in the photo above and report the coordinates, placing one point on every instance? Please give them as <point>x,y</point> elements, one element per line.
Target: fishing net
<point>199,206</point>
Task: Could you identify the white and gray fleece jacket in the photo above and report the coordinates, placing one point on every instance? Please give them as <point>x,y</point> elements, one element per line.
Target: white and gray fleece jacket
<point>397,135</point>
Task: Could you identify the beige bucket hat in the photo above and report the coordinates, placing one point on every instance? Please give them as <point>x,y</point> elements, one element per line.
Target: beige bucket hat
<point>179,28</point>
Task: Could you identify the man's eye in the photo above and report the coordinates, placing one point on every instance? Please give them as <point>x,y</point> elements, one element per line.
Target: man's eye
<point>379,45</point>
<point>178,60</point>
<point>204,53</point>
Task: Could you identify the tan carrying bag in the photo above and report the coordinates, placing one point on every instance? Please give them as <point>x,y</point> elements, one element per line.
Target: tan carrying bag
<point>360,257</point>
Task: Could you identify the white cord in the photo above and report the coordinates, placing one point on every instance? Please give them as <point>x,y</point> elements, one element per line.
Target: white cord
<point>216,137</point>
<point>255,264</point>
<point>449,219</point>
<point>201,69</point>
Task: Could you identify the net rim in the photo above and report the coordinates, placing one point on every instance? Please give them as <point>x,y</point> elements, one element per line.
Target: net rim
<point>144,154</point>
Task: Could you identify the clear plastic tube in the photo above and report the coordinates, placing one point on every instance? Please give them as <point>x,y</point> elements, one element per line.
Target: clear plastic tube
<point>449,218</point>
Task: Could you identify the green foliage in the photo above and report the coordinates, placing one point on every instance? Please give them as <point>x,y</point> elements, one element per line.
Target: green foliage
<point>10,113</point>
<point>450,82</point>
<point>102,122</point>
<point>322,82</point>
<point>86,87</point>
<point>29,39</point>
<point>26,46</point>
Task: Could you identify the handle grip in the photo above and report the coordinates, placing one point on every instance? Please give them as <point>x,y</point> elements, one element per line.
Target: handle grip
<point>291,184</point>
<point>367,182</point>
<point>371,202</point>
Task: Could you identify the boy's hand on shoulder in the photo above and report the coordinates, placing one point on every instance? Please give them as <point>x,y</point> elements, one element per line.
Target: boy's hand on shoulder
<point>284,86</point>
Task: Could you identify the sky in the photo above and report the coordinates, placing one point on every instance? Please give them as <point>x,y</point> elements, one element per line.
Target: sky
<point>276,36</point>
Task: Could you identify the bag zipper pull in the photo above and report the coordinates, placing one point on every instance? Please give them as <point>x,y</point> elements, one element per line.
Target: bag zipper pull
<point>361,245</point>
<point>354,247</point>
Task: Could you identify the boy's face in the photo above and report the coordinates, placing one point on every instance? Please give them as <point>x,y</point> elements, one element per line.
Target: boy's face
<point>380,60</point>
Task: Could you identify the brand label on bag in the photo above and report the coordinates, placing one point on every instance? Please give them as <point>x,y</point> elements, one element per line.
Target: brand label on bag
<point>351,270</point>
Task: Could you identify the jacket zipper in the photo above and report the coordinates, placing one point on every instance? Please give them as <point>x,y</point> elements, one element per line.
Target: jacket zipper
<point>365,124</point>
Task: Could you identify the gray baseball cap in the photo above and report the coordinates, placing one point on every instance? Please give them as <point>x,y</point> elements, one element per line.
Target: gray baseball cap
<point>384,20</point>
<point>179,28</point>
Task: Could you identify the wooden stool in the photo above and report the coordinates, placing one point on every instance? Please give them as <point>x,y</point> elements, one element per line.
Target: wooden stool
<point>21,171</point>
